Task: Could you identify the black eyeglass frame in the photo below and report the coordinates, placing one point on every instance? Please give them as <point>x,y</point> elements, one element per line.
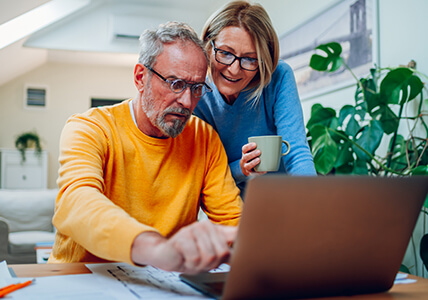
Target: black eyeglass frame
<point>192,86</point>
<point>235,58</point>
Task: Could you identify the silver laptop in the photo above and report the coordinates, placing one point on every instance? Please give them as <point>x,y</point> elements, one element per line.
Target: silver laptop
<point>304,237</point>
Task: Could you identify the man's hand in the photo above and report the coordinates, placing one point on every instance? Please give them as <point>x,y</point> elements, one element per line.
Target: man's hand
<point>198,247</point>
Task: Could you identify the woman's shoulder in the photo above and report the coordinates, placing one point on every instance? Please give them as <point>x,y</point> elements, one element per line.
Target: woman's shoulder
<point>282,68</point>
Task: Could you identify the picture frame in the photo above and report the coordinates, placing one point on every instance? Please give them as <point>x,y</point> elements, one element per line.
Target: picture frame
<point>353,24</point>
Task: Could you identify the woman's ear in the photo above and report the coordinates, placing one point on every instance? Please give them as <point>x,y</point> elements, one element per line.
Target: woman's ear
<point>139,76</point>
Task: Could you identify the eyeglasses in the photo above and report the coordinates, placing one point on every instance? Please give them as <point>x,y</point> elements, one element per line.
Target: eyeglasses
<point>227,58</point>
<point>179,85</point>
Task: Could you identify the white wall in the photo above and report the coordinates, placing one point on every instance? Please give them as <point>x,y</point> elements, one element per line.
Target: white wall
<point>70,89</point>
<point>403,37</point>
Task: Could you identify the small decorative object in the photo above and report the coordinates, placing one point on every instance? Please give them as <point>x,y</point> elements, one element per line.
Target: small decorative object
<point>28,140</point>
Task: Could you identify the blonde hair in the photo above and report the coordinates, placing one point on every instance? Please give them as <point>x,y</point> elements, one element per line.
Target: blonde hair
<point>254,19</point>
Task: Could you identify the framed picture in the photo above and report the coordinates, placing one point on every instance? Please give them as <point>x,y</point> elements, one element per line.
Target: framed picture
<point>353,24</point>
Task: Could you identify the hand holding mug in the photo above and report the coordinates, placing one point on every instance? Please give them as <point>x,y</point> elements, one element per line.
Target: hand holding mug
<point>266,157</point>
<point>250,158</point>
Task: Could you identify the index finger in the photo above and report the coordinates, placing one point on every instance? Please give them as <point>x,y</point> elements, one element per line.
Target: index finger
<point>249,147</point>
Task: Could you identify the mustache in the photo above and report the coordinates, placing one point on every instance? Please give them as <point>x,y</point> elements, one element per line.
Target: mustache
<point>178,110</point>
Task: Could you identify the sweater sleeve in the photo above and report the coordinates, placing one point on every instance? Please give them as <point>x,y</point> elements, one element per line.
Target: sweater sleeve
<point>288,116</point>
<point>83,212</point>
<point>220,196</point>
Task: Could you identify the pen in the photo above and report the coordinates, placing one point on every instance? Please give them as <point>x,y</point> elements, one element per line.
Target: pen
<point>13,287</point>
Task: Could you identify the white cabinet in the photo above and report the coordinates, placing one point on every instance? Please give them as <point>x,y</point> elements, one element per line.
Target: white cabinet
<point>28,174</point>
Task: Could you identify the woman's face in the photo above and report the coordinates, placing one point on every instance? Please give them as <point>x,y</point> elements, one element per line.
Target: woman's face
<point>231,80</point>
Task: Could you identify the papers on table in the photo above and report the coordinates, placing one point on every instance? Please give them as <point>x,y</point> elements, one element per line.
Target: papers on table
<point>107,282</point>
<point>144,282</point>
<point>114,281</point>
<point>401,278</point>
<point>5,277</point>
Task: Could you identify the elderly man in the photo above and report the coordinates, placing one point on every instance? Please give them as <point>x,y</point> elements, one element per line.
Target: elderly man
<point>134,175</point>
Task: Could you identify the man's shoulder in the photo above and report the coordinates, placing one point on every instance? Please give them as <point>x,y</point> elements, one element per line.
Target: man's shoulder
<point>102,113</point>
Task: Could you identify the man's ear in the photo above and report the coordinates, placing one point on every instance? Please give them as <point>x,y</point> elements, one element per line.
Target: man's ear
<point>139,76</point>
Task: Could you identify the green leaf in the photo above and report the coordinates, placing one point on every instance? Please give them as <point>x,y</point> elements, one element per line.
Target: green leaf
<point>362,103</point>
<point>399,158</point>
<point>420,170</point>
<point>321,116</point>
<point>333,59</point>
<point>360,168</point>
<point>387,118</point>
<point>400,86</point>
<point>404,269</point>
<point>369,140</point>
<point>324,149</point>
<point>352,125</point>
<point>344,156</point>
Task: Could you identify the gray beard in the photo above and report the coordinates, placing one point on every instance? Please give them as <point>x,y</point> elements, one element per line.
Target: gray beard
<point>167,130</point>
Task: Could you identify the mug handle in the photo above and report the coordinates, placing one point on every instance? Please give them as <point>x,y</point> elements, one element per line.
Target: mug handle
<point>288,148</point>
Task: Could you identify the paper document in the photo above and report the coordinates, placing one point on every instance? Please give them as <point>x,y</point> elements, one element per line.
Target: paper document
<point>5,277</point>
<point>144,282</point>
<point>401,278</point>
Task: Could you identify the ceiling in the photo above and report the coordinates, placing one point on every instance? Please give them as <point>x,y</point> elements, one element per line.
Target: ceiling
<point>91,31</point>
<point>87,34</point>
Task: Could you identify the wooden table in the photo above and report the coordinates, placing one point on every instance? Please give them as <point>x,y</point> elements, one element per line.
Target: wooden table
<point>412,291</point>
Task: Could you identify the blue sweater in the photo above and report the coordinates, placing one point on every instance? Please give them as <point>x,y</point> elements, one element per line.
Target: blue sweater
<point>279,112</point>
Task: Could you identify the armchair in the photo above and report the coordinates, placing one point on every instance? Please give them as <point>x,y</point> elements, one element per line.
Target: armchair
<point>25,219</point>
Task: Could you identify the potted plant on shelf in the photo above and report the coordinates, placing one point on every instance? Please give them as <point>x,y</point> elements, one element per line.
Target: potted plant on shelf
<point>347,141</point>
<point>28,140</point>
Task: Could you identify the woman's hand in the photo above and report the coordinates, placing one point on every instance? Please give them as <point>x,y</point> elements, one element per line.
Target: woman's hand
<point>250,158</point>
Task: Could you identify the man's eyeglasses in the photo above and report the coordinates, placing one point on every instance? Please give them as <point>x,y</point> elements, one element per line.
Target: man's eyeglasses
<point>179,85</point>
<point>227,58</point>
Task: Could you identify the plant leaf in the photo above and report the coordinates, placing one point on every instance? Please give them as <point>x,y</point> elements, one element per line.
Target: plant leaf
<point>360,168</point>
<point>420,170</point>
<point>333,59</point>
<point>352,125</point>
<point>387,118</point>
<point>400,86</point>
<point>321,116</point>
<point>344,156</point>
<point>369,140</point>
<point>324,149</point>
<point>399,159</point>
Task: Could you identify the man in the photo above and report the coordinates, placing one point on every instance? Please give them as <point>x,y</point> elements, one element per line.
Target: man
<point>133,176</point>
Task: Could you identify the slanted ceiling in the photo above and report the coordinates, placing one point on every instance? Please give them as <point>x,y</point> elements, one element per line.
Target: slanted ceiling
<point>112,26</point>
<point>102,32</point>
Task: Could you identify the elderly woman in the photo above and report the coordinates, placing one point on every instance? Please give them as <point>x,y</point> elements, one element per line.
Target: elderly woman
<point>253,92</point>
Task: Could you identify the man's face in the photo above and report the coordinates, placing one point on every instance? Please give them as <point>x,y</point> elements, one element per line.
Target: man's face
<point>166,113</point>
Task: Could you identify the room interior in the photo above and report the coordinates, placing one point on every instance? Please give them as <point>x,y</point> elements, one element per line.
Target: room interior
<point>81,50</point>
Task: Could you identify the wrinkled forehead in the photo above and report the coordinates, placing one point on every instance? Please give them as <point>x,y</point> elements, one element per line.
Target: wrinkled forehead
<point>183,59</point>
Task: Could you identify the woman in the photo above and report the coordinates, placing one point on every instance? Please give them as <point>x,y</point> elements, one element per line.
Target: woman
<point>253,92</point>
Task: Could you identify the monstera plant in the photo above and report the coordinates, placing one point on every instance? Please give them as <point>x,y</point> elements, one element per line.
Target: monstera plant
<point>386,102</point>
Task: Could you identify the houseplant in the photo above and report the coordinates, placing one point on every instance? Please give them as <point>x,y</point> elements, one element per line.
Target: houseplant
<point>387,101</point>
<point>28,140</point>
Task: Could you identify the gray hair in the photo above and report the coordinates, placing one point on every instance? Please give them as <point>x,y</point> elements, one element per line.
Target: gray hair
<point>152,40</point>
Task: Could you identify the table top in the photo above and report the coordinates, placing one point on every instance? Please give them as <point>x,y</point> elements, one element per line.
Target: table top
<point>414,291</point>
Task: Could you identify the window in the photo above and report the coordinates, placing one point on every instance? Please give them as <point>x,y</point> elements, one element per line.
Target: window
<point>35,96</point>
<point>95,102</point>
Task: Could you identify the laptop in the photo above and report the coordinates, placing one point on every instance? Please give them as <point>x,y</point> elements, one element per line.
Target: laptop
<point>302,237</point>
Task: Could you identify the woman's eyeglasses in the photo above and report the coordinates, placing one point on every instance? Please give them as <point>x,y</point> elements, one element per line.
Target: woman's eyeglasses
<point>227,58</point>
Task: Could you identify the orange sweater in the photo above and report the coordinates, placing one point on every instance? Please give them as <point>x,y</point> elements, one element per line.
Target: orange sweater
<point>116,182</point>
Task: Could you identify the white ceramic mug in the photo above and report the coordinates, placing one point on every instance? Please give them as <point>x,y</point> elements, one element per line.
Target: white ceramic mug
<point>270,147</point>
